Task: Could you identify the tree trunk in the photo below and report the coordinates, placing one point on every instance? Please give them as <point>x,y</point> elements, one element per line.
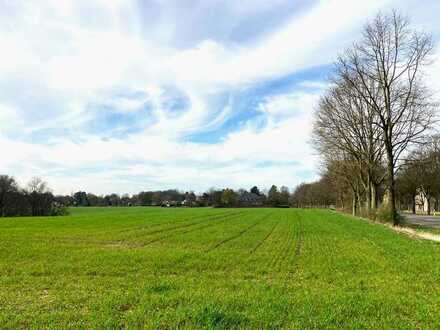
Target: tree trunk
<point>354,206</point>
<point>373,196</point>
<point>414,204</point>
<point>428,202</point>
<point>2,204</point>
<point>369,191</point>
<point>391,187</point>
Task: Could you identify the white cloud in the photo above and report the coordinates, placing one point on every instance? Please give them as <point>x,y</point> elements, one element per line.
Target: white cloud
<point>162,161</point>
<point>305,42</point>
<point>60,57</point>
<point>313,84</point>
<point>9,118</point>
<point>433,73</point>
<point>282,105</point>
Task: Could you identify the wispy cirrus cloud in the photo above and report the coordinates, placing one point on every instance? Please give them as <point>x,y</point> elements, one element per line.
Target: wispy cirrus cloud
<point>129,95</point>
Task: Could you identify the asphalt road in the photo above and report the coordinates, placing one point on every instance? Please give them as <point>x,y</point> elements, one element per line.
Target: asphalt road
<point>423,220</point>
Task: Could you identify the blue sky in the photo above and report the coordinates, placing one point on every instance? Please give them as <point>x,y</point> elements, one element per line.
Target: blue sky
<point>130,95</point>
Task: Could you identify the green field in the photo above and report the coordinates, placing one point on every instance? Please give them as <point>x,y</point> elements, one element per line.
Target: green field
<point>214,268</point>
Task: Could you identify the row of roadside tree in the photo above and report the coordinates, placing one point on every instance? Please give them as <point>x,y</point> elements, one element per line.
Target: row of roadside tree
<point>373,127</point>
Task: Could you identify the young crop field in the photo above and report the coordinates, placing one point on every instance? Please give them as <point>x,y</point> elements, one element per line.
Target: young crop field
<point>214,268</point>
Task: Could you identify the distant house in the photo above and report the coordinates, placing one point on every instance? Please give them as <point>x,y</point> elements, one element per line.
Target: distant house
<point>248,199</point>
<point>170,204</point>
<point>422,203</point>
<point>188,202</point>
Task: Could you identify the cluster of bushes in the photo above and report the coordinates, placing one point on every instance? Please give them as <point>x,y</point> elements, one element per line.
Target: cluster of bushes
<point>34,200</point>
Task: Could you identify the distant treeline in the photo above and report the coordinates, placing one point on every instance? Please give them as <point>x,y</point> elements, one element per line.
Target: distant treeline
<point>35,199</point>
<point>174,198</point>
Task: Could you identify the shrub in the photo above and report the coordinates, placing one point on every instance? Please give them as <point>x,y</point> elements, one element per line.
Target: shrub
<point>384,214</point>
<point>59,209</point>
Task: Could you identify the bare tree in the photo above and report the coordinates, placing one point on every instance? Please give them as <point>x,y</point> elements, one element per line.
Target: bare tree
<point>314,194</point>
<point>39,196</point>
<point>284,195</point>
<point>344,169</point>
<point>8,185</point>
<point>386,70</point>
<point>228,197</point>
<point>345,124</point>
<point>37,185</point>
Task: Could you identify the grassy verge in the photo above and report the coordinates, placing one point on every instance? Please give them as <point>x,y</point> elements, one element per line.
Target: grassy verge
<point>420,228</point>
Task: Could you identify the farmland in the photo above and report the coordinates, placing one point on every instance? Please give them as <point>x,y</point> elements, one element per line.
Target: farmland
<point>214,268</point>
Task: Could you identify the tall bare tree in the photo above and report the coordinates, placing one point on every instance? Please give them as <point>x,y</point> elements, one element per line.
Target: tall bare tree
<point>345,125</point>
<point>386,69</point>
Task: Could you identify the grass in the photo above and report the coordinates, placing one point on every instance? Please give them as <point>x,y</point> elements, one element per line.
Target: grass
<point>214,268</point>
